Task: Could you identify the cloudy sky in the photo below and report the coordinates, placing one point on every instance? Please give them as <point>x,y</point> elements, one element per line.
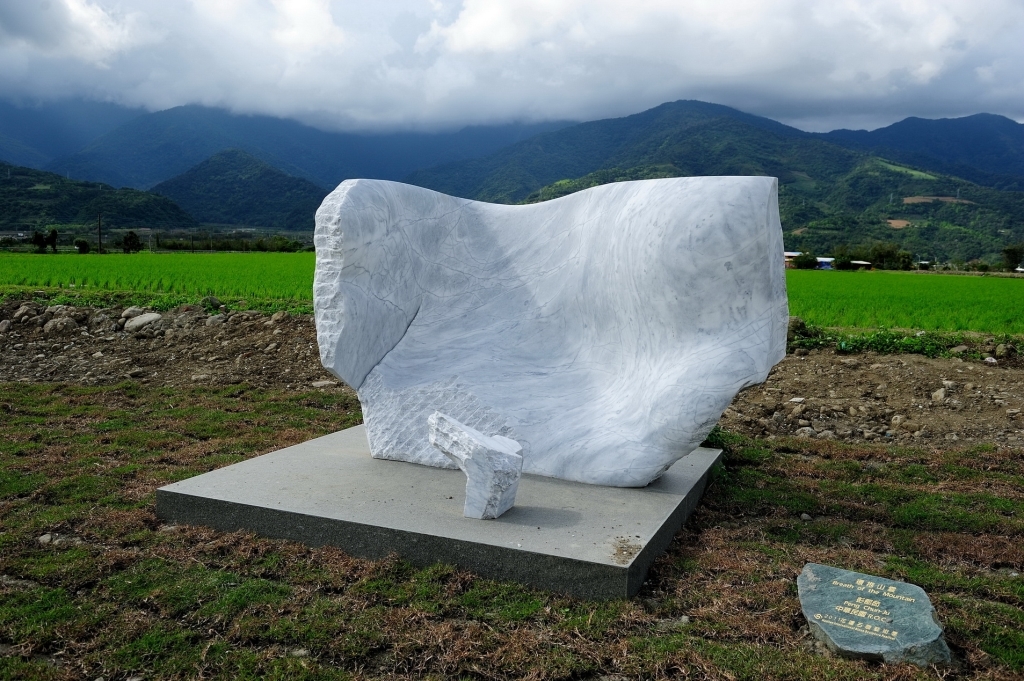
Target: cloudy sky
<point>430,64</point>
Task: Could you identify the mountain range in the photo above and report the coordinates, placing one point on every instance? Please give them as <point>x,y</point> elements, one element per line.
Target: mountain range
<point>696,137</point>
<point>943,188</point>
<point>830,194</point>
<point>684,138</point>
<point>151,148</point>
<point>983,148</point>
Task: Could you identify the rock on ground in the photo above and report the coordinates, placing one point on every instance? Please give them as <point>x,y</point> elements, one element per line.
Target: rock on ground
<point>139,322</point>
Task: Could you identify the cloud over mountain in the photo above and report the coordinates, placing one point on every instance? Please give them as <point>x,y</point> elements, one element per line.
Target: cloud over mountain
<point>437,63</point>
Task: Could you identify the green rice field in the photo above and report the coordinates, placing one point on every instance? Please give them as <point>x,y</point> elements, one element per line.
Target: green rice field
<point>242,275</point>
<point>833,299</point>
<point>907,300</point>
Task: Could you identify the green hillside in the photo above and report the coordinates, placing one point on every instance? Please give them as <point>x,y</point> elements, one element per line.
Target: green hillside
<point>867,204</point>
<point>36,200</point>
<point>933,216</point>
<point>696,138</point>
<point>984,148</point>
<point>234,187</point>
<point>829,195</point>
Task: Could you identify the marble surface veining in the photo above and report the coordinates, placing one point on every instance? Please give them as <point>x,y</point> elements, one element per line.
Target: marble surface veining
<point>605,331</point>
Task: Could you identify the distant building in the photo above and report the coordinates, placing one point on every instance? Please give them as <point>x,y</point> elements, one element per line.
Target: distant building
<point>860,263</point>
<point>790,255</point>
<point>825,263</point>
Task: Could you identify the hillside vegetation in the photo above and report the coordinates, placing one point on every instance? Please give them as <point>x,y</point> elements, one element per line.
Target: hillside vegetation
<point>694,138</point>
<point>34,199</point>
<point>829,195</point>
<point>234,187</point>
<point>936,218</point>
<point>982,148</point>
<point>943,190</point>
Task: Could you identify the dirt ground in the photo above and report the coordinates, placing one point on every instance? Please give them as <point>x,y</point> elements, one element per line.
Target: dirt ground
<point>817,394</point>
<point>184,346</point>
<point>884,398</point>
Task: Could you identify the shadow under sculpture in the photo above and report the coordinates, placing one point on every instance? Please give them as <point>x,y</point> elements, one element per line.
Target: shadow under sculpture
<point>605,332</point>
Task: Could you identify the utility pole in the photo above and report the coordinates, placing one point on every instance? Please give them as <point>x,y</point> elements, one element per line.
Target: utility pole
<point>99,232</point>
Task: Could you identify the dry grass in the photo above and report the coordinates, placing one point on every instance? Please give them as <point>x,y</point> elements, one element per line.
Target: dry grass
<point>119,594</point>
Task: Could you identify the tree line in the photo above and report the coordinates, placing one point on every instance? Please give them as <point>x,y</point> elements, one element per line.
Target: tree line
<point>889,256</point>
<point>132,243</point>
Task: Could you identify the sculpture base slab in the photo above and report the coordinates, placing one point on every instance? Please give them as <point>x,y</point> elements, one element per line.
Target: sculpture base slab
<point>583,540</point>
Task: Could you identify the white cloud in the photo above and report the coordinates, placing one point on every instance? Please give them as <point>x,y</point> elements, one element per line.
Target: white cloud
<point>432,63</point>
<point>77,29</point>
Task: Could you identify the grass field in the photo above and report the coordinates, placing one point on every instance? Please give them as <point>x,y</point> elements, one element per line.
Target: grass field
<point>287,276</point>
<point>113,593</point>
<point>831,299</point>
<point>909,301</point>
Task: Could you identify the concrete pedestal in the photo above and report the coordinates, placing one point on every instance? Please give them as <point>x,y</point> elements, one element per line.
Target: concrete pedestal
<point>584,540</point>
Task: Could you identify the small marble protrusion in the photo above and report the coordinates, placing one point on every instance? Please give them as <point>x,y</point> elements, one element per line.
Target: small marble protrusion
<point>492,464</point>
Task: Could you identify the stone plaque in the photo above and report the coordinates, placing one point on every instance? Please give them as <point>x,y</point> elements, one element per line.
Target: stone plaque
<point>871,618</point>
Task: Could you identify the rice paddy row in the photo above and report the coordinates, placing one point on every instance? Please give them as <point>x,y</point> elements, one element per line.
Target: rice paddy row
<point>830,299</point>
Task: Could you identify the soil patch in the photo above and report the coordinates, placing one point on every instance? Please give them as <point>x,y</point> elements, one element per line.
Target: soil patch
<point>903,399</point>
<point>819,394</point>
<point>182,347</point>
<point>930,199</point>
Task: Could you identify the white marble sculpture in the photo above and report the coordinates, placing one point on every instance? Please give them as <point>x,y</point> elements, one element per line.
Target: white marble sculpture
<point>493,465</point>
<point>605,331</point>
